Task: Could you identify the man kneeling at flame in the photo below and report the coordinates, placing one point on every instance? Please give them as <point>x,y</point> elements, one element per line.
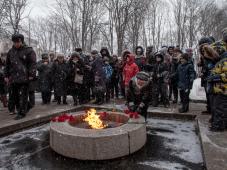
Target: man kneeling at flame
<point>138,94</point>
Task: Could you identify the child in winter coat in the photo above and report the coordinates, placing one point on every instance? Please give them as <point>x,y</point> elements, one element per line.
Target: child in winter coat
<point>186,76</point>
<point>108,73</point>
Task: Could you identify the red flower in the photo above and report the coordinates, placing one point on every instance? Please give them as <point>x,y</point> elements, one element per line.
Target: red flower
<point>127,111</point>
<point>62,118</point>
<point>72,119</point>
<point>134,115</point>
<point>103,115</point>
<point>54,119</point>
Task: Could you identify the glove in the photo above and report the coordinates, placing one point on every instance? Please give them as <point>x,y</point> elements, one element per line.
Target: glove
<point>141,105</point>
<point>131,107</point>
<point>139,110</point>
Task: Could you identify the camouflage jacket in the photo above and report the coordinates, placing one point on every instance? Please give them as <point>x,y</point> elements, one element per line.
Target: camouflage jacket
<point>219,77</point>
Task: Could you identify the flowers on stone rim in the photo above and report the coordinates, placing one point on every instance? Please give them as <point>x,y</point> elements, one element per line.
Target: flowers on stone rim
<point>134,115</point>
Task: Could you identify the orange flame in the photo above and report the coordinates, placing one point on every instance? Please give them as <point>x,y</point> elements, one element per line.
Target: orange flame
<point>93,120</point>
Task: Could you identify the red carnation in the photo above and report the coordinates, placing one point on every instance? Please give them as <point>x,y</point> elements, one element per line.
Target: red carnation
<point>54,119</point>
<point>127,111</point>
<point>72,119</point>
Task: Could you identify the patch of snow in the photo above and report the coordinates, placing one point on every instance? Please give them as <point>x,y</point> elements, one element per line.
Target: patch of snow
<point>185,143</point>
<point>164,165</point>
<point>197,92</point>
<point>34,133</point>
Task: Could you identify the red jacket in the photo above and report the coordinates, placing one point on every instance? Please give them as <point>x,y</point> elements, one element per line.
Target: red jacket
<point>130,69</point>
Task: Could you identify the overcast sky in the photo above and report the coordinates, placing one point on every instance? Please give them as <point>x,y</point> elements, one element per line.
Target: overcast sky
<point>40,7</point>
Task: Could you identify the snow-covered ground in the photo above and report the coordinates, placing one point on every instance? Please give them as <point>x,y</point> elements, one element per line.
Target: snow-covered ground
<point>182,141</point>
<point>171,145</point>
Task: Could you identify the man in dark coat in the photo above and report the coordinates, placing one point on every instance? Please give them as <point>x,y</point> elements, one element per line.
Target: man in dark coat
<point>138,93</point>
<point>150,56</point>
<point>60,71</point>
<point>20,70</point>
<point>161,80</point>
<point>3,92</point>
<point>88,81</point>
<point>44,77</point>
<point>185,76</point>
<point>99,77</point>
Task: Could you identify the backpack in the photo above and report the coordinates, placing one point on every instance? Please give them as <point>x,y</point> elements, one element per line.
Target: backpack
<point>108,71</point>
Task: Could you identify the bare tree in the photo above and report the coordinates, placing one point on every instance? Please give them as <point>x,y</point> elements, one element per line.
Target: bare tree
<point>136,21</point>
<point>3,16</point>
<point>121,15</point>
<point>15,12</point>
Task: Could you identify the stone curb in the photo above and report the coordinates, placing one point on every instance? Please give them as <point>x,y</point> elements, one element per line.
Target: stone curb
<point>23,124</point>
<point>214,156</point>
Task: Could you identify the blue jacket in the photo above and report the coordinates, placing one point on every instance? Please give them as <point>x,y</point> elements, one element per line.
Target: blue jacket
<point>185,76</point>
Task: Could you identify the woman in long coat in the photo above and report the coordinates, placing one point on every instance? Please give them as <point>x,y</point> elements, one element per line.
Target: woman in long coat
<point>60,72</point>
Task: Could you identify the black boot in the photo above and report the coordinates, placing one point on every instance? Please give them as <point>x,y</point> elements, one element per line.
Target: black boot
<point>183,109</point>
<point>58,100</point>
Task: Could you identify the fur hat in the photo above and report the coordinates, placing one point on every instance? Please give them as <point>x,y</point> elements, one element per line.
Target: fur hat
<point>44,55</point>
<point>75,54</point>
<point>17,37</point>
<point>205,40</point>
<point>59,55</point>
<point>143,76</point>
<point>139,47</point>
<point>94,52</point>
<point>78,49</point>
<point>160,55</point>
<point>224,34</point>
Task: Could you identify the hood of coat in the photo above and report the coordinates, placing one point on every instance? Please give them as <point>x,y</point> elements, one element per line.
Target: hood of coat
<point>160,55</point>
<point>131,59</point>
<point>106,51</point>
<point>124,55</point>
<point>141,49</point>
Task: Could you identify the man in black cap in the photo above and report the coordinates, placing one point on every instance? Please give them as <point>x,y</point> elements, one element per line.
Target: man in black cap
<point>138,96</point>
<point>20,70</point>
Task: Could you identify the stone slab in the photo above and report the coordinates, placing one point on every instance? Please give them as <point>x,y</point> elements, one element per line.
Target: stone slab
<point>214,145</point>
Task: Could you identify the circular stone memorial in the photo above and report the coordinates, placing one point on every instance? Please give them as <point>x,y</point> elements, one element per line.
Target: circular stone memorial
<point>119,136</point>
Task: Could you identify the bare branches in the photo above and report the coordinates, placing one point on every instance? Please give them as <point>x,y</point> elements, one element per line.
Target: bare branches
<point>127,23</point>
<point>15,10</point>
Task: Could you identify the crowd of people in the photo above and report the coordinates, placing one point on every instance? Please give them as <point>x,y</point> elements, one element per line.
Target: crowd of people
<point>142,78</point>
